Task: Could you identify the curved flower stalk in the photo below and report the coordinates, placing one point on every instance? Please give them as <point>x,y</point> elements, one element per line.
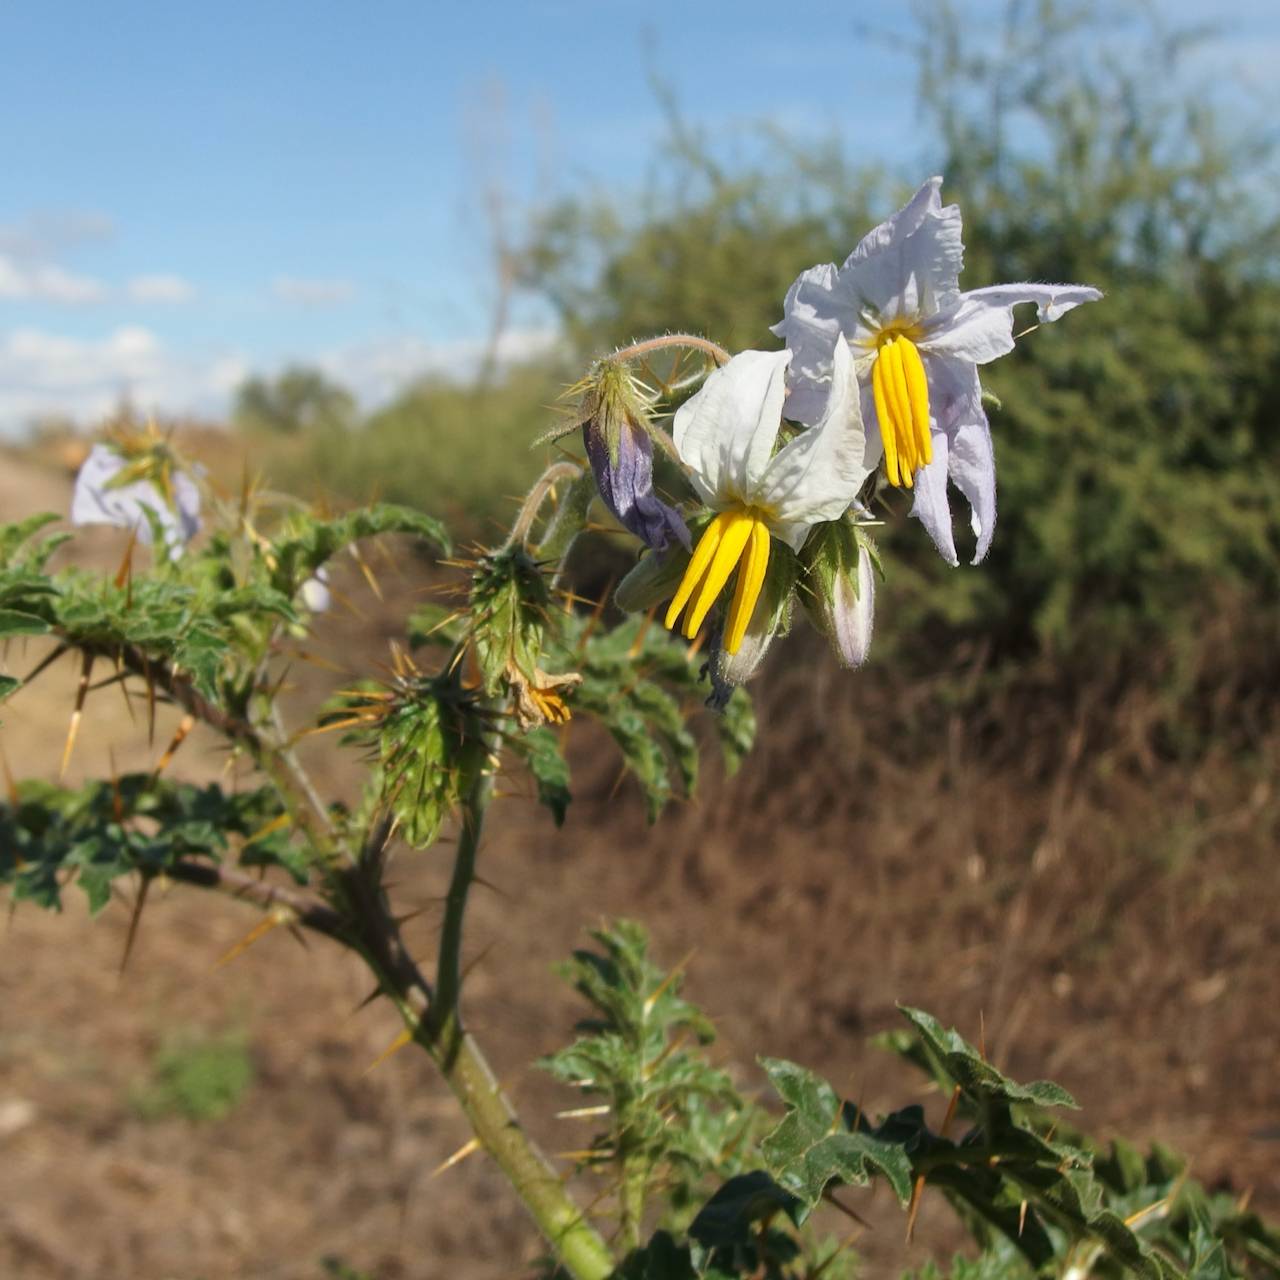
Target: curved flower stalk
<point>725,435</point>
<point>133,480</point>
<point>917,341</point>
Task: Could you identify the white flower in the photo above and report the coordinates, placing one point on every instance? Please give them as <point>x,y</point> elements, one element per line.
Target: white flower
<point>917,342</point>
<point>726,435</point>
<point>105,494</point>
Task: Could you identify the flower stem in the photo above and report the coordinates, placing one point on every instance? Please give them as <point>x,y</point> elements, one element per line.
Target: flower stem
<point>662,342</point>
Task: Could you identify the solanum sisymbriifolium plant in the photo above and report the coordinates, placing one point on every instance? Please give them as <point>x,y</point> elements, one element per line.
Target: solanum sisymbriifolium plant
<point>748,485</point>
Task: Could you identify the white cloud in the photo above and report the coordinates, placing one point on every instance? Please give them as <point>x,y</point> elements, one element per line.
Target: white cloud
<point>312,293</point>
<point>51,234</point>
<point>46,374</point>
<point>160,288</point>
<point>43,374</point>
<point>376,371</point>
<point>46,282</point>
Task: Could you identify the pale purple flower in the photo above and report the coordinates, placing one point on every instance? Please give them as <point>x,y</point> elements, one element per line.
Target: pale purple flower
<point>917,341</point>
<point>97,500</point>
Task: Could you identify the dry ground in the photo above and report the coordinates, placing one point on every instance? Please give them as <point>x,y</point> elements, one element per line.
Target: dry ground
<point>1111,920</point>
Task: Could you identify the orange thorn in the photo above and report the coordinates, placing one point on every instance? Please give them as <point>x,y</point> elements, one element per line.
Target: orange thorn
<point>268,828</point>
<point>10,785</point>
<point>134,921</point>
<point>951,1111</point>
<point>914,1207</point>
<point>405,1037</point>
<point>125,572</point>
<point>368,573</point>
<point>185,725</point>
<point>467,1148</point>
<point>82,690</point>
<point>264,926</point>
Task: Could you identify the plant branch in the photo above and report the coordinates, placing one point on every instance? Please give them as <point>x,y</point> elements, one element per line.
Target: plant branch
<point>307,910</point>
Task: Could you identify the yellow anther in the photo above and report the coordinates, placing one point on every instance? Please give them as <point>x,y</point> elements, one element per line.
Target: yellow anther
<point>735,539</point>
<point>750,584</point>
<point>698,565</point>
<point>918,395</point>
<point>901,392</point>
<point>886,421</point>
<point>733,542</point>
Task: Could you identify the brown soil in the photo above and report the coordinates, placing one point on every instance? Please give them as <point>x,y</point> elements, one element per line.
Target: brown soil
<point>1101,917</point>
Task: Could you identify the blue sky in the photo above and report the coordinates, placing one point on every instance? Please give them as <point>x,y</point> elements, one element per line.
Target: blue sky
<point>193,192</point>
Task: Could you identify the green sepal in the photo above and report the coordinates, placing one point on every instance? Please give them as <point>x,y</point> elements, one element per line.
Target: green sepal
<point>510,610</point>
<point>653,579</point>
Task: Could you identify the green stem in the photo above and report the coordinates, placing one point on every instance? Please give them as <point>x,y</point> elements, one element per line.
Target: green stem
<point>631,1198</point>
<point>445,1018</point>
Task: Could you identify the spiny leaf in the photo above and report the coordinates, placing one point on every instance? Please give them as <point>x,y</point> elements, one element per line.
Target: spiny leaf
<point>811,1146</point>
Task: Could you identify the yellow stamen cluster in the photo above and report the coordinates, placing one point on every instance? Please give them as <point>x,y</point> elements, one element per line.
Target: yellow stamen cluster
<point>552,706</point>
<point>902,405</point>
<point>737,535</point>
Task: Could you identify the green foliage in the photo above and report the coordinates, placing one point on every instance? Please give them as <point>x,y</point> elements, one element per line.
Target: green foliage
<point>136,823</point>
<point>671,1117</point>
<point>296,400</point>
<point>195,1075</point>
<point>812,1147</point>
<point>641,685</point>
<point>305,542</point>
<point>441,445</point>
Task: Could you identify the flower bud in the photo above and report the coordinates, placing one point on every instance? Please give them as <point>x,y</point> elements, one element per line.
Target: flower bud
<point>617,432</point>
<point>315,591</point>
<point>839,587</point>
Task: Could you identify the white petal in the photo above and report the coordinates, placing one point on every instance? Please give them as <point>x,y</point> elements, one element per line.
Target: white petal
<point>909,265</point>
<point>972,468</point>
<point>930,506</point>
<point>980,326</point>
<point>806,399</point>
<point>726,432</point>
<point>813,318</point>
<point>955,394</point>
<point>819,473</point>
